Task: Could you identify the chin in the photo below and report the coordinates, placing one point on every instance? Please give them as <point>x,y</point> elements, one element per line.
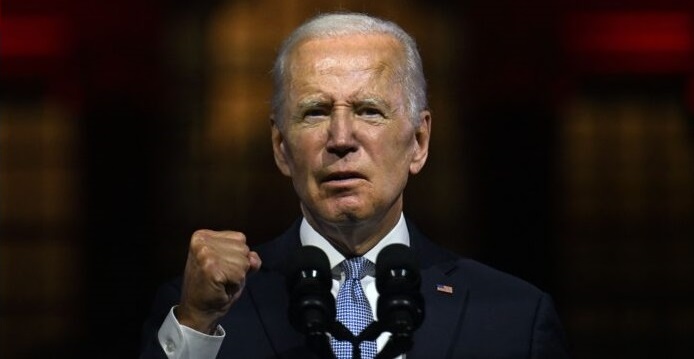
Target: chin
<point>346,216</point>
<point>344,211</point>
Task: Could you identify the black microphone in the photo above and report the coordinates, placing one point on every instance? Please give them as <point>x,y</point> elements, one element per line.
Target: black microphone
<point>311,305</point>
<point>400,305</point>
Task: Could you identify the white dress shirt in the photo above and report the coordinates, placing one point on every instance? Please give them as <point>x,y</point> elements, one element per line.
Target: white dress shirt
<point>181,342</point>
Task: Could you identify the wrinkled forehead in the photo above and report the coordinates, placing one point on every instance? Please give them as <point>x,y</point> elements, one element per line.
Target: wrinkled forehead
<point>373,53</point>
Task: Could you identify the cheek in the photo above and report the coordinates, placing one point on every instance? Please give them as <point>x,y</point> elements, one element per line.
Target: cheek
<point>400,147</point>
<point>394,156</point>
<point>305,150</point>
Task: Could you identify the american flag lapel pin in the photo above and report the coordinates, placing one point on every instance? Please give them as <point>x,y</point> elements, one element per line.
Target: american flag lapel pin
<point>442,288</point>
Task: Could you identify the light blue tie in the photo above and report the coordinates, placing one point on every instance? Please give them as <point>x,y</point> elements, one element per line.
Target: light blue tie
<point>353,309</point>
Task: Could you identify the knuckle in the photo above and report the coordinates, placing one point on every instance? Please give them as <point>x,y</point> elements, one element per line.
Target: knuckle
<point>207,264</point>
<point>202,253</point>
<point>236,236</point>
<point>200,234</point>
<point>197,239</point>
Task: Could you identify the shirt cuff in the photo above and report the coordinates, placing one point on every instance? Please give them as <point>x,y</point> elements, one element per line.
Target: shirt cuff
<point>181,342</point>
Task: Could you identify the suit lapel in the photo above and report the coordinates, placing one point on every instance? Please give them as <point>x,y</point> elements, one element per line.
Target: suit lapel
<point>445,296</point>
<point>269,294</point>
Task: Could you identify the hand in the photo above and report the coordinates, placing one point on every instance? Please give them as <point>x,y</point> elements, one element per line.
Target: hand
<point>215,275</point>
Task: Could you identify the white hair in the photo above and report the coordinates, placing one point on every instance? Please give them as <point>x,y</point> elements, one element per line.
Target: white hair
<point>342,24</point>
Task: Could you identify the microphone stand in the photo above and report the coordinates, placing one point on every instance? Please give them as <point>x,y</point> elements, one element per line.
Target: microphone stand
<point>398,343</point>
<point>340,332</point>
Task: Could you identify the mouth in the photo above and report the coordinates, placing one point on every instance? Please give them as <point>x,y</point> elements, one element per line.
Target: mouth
<point>343,176</point>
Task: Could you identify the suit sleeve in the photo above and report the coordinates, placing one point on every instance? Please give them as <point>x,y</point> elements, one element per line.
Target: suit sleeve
<point>549,341</point>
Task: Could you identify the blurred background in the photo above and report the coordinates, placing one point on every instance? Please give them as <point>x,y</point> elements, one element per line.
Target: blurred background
<point>563,153</point>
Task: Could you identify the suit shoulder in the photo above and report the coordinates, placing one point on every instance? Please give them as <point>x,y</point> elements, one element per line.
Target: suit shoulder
<point>481,277</point>
<point>275,252</point>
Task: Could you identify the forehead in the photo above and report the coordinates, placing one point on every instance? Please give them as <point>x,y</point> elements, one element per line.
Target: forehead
<point>344,54</point>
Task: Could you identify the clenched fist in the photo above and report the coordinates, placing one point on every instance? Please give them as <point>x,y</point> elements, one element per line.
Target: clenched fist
<point>215,275</point>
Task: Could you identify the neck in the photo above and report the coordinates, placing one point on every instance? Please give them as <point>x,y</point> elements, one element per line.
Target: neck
<point>355,237</point>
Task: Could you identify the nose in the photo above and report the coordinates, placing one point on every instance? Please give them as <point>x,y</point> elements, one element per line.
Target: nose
<point>341,134</point>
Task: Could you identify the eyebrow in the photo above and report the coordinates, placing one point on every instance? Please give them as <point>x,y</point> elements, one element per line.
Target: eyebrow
<point>355,101</point>
<point>373,101</point>
<point>377,102</point>
<point>313,102</point>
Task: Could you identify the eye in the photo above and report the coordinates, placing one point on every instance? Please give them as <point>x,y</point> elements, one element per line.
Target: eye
<point>316,111</point>
<point>369,112</point>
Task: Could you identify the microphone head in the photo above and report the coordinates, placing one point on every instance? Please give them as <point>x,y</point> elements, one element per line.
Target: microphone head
<point>308,263</point>
<point>311,305</point>
<point>397,270</point>
<point>400,303</point>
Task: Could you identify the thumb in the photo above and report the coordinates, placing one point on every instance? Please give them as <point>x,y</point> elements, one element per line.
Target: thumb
<point>254,260</point>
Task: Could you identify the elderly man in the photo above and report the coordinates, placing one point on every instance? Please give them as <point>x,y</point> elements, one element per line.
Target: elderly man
<point>350,124</point>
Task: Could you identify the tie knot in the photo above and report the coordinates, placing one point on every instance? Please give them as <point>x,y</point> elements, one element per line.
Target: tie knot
<point>355,268</point>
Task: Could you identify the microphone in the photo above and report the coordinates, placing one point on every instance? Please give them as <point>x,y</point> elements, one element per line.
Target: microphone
<point>400,305</point>
<point>311,305</point>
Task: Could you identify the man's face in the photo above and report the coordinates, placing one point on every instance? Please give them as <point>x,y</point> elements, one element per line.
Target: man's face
<point>346,140</point>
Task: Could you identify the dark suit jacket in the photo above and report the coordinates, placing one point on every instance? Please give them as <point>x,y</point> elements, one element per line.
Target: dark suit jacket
<point>489,314</point>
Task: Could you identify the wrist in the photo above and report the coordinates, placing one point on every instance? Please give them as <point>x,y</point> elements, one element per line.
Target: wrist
<point>197,320</point>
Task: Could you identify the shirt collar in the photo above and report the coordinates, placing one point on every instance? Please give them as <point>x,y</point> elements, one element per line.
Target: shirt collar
<point>310,237</point>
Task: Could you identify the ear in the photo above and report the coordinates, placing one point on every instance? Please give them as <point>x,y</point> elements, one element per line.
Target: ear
<point>279,149</point>
<point>421,142</point>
